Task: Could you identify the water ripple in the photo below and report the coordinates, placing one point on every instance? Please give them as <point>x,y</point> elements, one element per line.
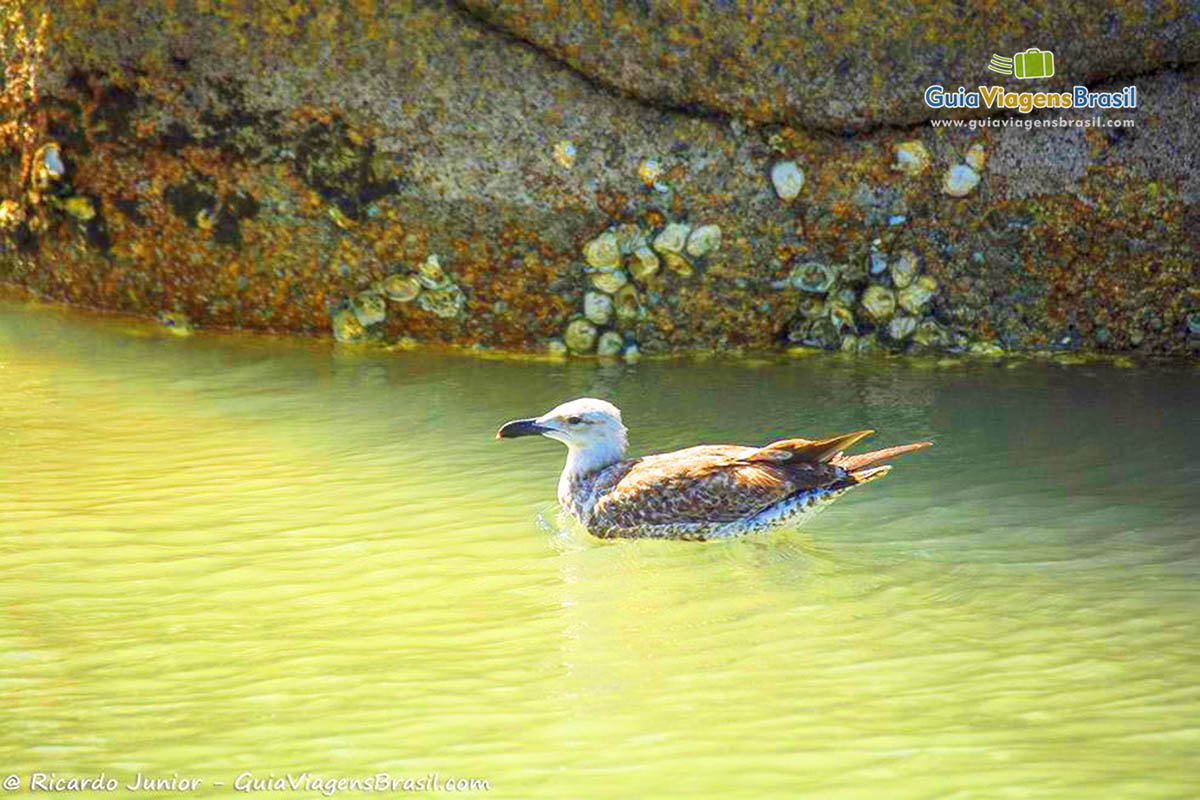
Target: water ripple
<point>223,554</point>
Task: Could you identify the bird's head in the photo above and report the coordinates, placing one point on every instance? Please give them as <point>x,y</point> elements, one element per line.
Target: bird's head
<point>585,425</point>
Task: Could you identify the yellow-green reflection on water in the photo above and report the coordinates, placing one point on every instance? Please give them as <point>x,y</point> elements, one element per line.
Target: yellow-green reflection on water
<point>226,554</point>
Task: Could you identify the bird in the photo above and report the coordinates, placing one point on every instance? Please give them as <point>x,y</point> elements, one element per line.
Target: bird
<point>698,493</point>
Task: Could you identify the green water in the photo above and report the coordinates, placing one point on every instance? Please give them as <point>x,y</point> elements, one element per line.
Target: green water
<point>226,554</point>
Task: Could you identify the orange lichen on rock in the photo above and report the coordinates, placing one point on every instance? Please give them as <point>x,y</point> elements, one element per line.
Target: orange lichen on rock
<point>23,51</point>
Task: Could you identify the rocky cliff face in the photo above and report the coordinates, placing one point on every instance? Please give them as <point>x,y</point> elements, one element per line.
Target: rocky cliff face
<point>608,175</point>
<point>838,66</point>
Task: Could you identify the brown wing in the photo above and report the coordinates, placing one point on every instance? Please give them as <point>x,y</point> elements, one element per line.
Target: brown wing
<point>718,483</point>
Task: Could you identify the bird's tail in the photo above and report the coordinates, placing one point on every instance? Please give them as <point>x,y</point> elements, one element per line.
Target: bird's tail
<point>804,450</point>
<point>859,477</point>
<point>859,465</point>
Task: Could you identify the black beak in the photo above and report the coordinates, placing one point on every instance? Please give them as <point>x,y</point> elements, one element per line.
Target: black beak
<point>520,427</point>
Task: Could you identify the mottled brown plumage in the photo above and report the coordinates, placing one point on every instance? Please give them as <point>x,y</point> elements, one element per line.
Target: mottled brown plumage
<point>709,491</point>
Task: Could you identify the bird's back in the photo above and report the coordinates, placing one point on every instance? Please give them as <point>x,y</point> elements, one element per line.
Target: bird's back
<point>717,490</point>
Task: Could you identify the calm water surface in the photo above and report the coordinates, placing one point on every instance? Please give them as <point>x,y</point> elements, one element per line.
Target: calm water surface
<point>231,554</point>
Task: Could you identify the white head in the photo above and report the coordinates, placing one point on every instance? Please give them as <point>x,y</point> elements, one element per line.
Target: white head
<point>590,428</point>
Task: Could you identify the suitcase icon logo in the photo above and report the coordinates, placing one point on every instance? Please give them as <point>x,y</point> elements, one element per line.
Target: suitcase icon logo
<point>1033,63</point>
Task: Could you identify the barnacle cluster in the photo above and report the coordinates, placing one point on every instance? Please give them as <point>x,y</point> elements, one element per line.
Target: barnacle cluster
<point>165,194</point>
<point>440,294</point>
<point>434,290</point>
<point>883,299</point>
<point>620,264</point>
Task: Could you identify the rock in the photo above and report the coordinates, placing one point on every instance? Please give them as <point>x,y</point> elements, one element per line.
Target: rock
<point>630,238</point>
<point>610,344</point>
<point>830,65</point>
<point>580,336</point>
<point>401,288</point>
<point>679,265</point>
<point>788,180</point>
<point>649,171</point>
<point>988,349</point>
<point>432,276</point>
<point>911,158</point>
<point>813,276</point>
<point>603,251</point>
<point>960,180</point>
<point>626,305</point>
<point>12,214</point>
<point>673,238</point>
<point>48,168</point>
<point>445,303</point>
<point>904,269</point>
<point>878,262</point>
<point>976,157</point>
<point>608,281</point>
<point>597,307</point>
<point>643,264</point>
<point>81,208</point>
<point>176,322</point>
<point>346,326</point>
<point>369,308</point>
<point>704,240</point>
<point>564,153</point>
<point>879,303</point>
<point>299,163</point>
<point>914,297</point>
<point>842,316</point>
<point>900,328</point>
<point>931,335</point>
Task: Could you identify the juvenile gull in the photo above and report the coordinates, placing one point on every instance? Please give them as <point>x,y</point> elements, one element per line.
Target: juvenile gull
<point>704,492</point>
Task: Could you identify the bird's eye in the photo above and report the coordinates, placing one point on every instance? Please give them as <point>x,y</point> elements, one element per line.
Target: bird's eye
<point>574,420</point>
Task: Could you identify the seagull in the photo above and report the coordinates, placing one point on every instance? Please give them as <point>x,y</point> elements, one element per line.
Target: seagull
<point>704,492</point>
